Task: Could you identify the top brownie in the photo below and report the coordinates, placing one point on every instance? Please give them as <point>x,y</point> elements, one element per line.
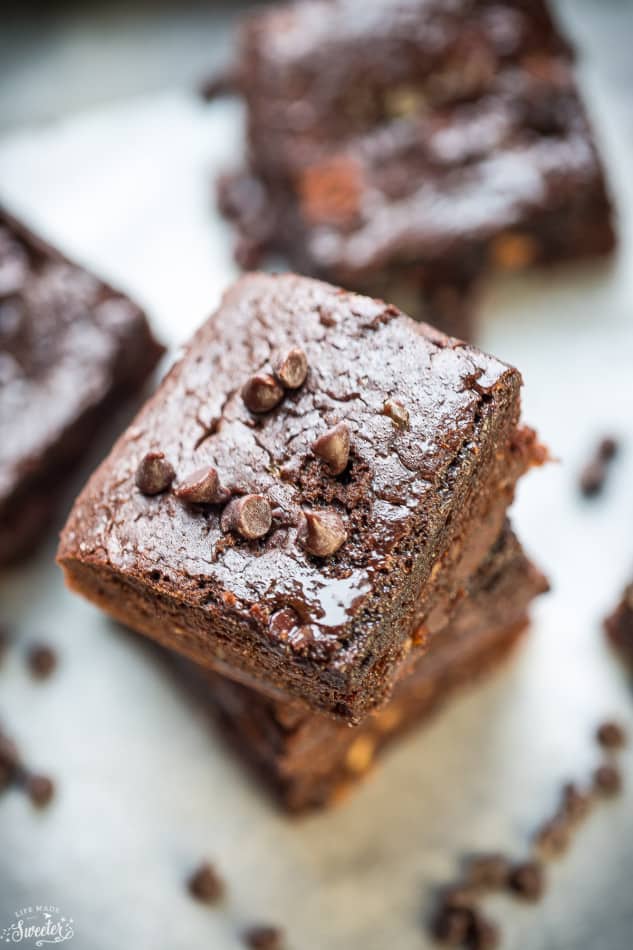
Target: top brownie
<point>71,346</point>
<point>289,505</point>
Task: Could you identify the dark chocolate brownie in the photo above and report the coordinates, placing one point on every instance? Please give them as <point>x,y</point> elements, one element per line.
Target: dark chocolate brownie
<point>619,626</point>
<point>268,560</point>
<point>71,348</point>
<point>310,759</point>
<point>458,145</point>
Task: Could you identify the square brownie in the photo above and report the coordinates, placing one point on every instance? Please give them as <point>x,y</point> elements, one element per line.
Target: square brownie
<point>71,349</point>
<point>309,759</point>
<point>306,495</point>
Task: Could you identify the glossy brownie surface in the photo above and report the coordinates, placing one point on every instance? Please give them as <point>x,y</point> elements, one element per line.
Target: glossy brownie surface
<point>428,419</point>
<point>69,346</point>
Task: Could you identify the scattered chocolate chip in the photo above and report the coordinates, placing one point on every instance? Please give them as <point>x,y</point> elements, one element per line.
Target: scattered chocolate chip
<point>452,925</point>
<point>527,880</point>
<point>333,447</point>
<point>291,369</point>
<point>262,393</point>
<point>482,934</point>
<point>9,755</point>
<point>396,412</point>
<point>42,660</point>
<point>250,516</point>
<point>264,937</point>
<point>553,837</point>
<point>488,871</point>
<point>40,789</point>
<point>608,448</point>
<point>611,735</point>
<point>575,804</point>
<point>607,780</point>
<point>154,474</point>
<point>225,82</point>
<point>593,477</point>
<point>203,487</point>
<point>205,884</point>
<point>321,532</point>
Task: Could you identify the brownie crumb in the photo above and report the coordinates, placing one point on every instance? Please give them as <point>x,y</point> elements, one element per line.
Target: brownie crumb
<point>262,393</point>
<point>488,871</point>
<point>611,735</point>
<point>40,789</point>
<point>607,780</point>
<point>264,937</point>
<point>42,660</point>
<point>553,837</point>
<point>205,884</point>
<point>154,474</point>
<point>527,880</point>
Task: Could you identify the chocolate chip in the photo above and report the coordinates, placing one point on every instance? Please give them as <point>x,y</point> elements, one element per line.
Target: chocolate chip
<point>575,804</point>
<point>611,735</point>
<point>607,780</point>
<point>40,789</point>
<point>608,448</point>
<point>9,755</point>
<point>42,660</point>
<point>488,871</point>
<point>552,838</point>
<point>321,532</point>
<point>202,487</point>
<point>262,393</point>
<point>154,474</point>
<point>483,934</point>
<point>250,516</point>
<point>205,884</point>
<point>291,368</point>
<point>264,937</point>
<point>593,477</point>
<point>527,880</point>
<point>451,925</point>
<point>396,412</point>
<point>333,447</point>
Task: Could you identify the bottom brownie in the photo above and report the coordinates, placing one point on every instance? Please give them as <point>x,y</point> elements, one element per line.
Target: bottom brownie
<point>619,626</point>
<point>310,760</point>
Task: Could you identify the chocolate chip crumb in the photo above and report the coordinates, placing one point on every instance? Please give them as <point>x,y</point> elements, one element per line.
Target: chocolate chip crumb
<point>42,660</point>
<point>333,447</point>
<point>264,937</point>
<point>154,474</point>
<point>205,884</point>
<point>488,871</point>
<point>575,804</point>
<point>607,780</point>
<point>608,448</point>
<point>203,487</point>
<point>593,477</point>
<point>452,925</point>
<point>9,755</point>
<point>291,368</point>
<point>527,880</point>
<point>553,837</point>
<point>483,934</point>
<point>262,393</point>
<point>611,735</point>
<point>321,532</point>
<point>40,789</point>
<point>249,516</point>
<point>397,413</point>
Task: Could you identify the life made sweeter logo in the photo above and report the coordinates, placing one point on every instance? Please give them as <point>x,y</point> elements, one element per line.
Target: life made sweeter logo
<point>38,925</point>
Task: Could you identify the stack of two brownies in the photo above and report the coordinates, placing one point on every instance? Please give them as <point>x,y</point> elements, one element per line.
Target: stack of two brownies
<point>312,508</point>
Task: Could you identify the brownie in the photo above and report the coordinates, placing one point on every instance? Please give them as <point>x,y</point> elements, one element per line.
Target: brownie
<point>309,759</point>
<point>619,626</point>
<point>411,152</point>
<point>319,476</point>
<point>71,349</point>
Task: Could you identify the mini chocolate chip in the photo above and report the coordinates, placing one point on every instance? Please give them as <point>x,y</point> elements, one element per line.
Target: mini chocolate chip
<point>250,516</point>
<point>321,532</point>
<point>607,780</point>
<point>291,368</point>
<point>42,660</point>
<point>488,871</point>
<point>396,412</point>
<point>527,880</point>
<point>593,477</point>
<point>552,838</point>
<point>154,474</point>
<point>611,735</point>
<point>333,447</point>
<point>40,789</point>
<point>262,393</point>
<point>203,487</point>
<point>575,804</point>
<point>451,925</point>
<point>264,937</point>
<point>483,934</point>
<point>205,884</point>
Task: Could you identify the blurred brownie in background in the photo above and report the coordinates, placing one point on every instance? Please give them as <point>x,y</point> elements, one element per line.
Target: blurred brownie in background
<point>71,349</point>
<point>412,147</point>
